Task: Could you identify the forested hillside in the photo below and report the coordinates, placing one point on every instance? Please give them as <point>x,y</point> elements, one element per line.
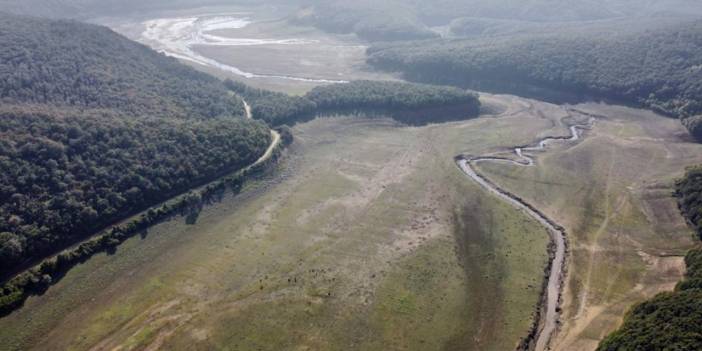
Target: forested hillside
<point>660,69</point>
<point>689,194</point>
<point>405,102</point>
<point>94,127</point>
<point>68,63</point>
<point>82,9</point>
<point>394,20</point>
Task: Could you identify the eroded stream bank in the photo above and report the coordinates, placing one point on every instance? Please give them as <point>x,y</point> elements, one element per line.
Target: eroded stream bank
<point>547,316</point>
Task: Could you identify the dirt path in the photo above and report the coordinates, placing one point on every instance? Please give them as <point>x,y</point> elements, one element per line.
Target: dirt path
<point>275,138</point>
<point>549,312</point>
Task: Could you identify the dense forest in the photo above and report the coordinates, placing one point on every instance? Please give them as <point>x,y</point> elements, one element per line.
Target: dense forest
<point>68,63</point>
<point>39,277</point>
<point>95,127</point>
<point>669,321</point>
<point>66,174</point>
<point>658,69</point>
<point>408,103</point>
<point>689,194</point>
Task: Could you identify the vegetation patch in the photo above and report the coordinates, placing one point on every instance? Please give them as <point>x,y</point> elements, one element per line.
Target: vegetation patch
<point>689,194</point>
<point>633,67</point>
<point>414,104</point>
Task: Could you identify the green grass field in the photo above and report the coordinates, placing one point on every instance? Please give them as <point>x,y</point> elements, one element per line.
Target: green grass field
<point>372,239</point>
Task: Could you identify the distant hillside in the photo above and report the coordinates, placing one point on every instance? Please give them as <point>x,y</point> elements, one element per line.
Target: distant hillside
<point>395,20</point>
<point>94,127</point>
<point>428,12</point>
<point>84,9</point>
<point>442,11</point>
<point>369,20</point>
<point>75,64</point>
<point>659,68</point>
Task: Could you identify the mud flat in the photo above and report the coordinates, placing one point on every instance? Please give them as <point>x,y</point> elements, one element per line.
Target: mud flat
<point>255,45</point>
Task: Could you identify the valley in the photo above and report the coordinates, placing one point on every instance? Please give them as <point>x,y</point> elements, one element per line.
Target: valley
<point>533,226</point>
<point>385,231</point>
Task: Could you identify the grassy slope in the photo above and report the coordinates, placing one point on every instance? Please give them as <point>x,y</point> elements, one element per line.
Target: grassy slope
<point>364,229</point>
<point>613,192</point>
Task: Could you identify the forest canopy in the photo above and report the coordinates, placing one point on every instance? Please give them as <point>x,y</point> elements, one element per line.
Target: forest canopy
<point>67,63</point>
<point>657,69</point>
<point>94,127</point>
<point>689,194</point>
<point>409,103</point>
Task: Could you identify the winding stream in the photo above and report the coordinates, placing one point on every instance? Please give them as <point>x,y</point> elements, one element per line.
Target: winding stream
<point>548,316</point>
<point>178,37</point>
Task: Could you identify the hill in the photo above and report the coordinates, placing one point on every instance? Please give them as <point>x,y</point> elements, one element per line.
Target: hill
<point>95,127</point>
<point>67,63</point>
<point>656,68</point>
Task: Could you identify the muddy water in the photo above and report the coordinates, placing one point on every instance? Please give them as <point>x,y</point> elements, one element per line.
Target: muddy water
<point>549,311</point>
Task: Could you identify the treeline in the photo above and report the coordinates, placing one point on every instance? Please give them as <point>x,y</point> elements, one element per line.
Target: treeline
<point>67,63</point>
<point>669,321</point>
<point>414,104</point>
<point>37,279</point>
<point>94,127</point>
<point>658,69</point>
<point>64,175</point>
<point>689,194</point>
<point>409,103</point>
